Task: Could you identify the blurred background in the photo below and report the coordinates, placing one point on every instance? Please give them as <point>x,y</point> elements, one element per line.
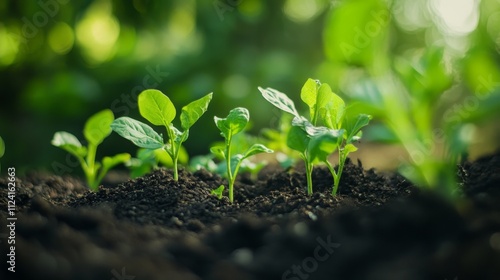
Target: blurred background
<point>62,61</point>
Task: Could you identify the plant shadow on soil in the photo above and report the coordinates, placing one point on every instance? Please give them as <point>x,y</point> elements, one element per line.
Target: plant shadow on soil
<point>379,227</point>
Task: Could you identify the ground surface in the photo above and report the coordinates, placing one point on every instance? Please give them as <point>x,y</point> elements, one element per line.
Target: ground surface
<point>378,227</point>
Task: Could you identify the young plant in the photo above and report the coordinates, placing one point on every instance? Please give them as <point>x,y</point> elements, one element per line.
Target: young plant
<point>96,129</point>
<point>408,99</point>
<point>233,124</point>
<point>314,142</point>
<point>157,108</point>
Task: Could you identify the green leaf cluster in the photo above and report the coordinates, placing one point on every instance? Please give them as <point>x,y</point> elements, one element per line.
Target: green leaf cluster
<point>234,123</point>
<point>157,108</point>
<point>96,129</point>
<point>327,130</point>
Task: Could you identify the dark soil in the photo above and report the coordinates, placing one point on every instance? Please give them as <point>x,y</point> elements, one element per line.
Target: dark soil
<point>378,227</point>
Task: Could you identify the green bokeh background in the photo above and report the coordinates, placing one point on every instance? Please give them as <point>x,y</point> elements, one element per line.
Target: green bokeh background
<point>62,61</point>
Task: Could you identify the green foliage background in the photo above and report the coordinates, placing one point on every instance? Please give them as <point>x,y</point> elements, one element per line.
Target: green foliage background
<point>61,61</point>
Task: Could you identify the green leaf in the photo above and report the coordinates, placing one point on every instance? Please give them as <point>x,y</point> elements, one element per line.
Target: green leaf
<point>218,191</point>
<point>235,160</point>
<point>179,137</point>
<point>323,143</point>
<point>69,143</point>
<point>156,107</point>
<point>309,95</point>
<point>98,127</point>
<point>139,133</point>
<point>218,150</point>
<point>297,139</point>
<point>234,123</point>
<point>280,100</point>
<point>361,121</point>
<point>349,148</point>
<point>193,111</point>
<point>109,162</point>
<point>357,137</point>
<point>335,112</point>
<point>307,126</point>
<point>318,97</point>
<point>257,149</point>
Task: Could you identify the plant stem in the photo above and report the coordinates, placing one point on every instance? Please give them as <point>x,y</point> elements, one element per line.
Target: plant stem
<point>173,153</point>
<point>176,172</point>
<point>336,179</point>
<point>229,171</point>
<point>334,175</point>
<point>309,169</point>
<point>175,159</point>
<point>90,171</point>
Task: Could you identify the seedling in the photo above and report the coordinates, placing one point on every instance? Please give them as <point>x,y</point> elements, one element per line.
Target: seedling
<point>233,124</point>
<point>96,129</point>
<point>314,142</point>
<point>434,141</point>
<point>157,108</point>
<point>218,192</point>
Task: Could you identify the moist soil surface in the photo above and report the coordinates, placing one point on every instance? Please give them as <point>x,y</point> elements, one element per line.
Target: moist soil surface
<point>379,226</point>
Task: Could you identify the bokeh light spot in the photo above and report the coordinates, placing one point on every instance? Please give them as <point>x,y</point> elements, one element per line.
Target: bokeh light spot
<point>456,17</point>
<point>97,32</point>
<point>303,10</point>
<point>9,46</point>
<point>61,38</point>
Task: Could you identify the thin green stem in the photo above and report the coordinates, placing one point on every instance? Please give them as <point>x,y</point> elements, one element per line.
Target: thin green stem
<point>173,151</point>
<point>309,169</point>
<point>176,172</point>
<point>228,168</point>
<point>334,175</point>
<point>89,170</point>
<point>342,159</point>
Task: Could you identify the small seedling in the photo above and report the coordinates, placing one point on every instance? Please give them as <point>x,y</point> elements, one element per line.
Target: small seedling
<point>157,108</point>
<point>233,124</point>
<point>314,142</point>
<point>96,129</point>
<point>218,192</point>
